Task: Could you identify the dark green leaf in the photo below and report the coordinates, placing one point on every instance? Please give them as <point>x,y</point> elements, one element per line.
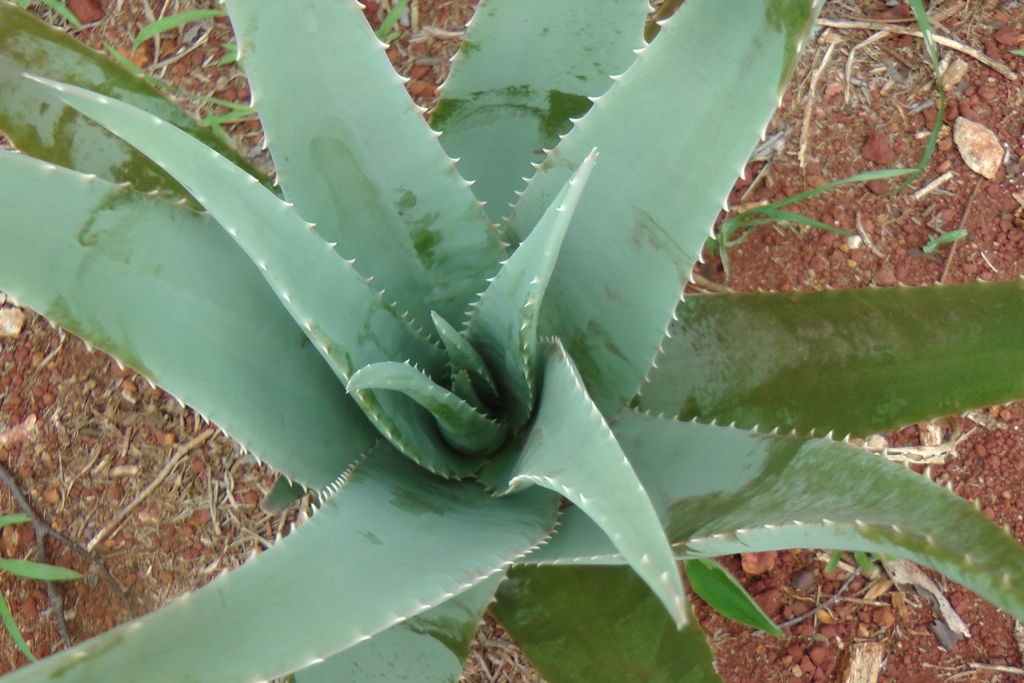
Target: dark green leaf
<point>599,625</point>
<point>852,362</point>
<point>40,125</point>
<point>723,592</point>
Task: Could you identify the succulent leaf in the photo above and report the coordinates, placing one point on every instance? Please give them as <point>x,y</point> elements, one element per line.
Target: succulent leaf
<point>462,426</point>
<point>408,217</point>
<point>503,325</point>
<point>167,292</point>
<point>428,648</point>
<point>310,279</point>
<point>463,357</point>
<point>570,449</point>
<point>387,511</point>
<point>726,595</point>
<point>40,125</point>
<point>523,70</point>
<point>770,492</point>
<point>693,103</point>
<point>849,361</point>
<point>281,495</point>
<point>599,625</point>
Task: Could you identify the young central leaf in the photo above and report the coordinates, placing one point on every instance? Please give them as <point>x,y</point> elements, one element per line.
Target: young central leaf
<point>461,425</point>
<point>503,326</point>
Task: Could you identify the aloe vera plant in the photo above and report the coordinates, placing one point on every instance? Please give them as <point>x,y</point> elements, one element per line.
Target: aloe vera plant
<point>445,372</point>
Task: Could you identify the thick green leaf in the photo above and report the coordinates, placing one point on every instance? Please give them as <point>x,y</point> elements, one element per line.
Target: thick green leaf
<point>726,595</point>
<point>310,279</point>
<point>851,361</point>
<point>338,580</point>
<point>524,69</point>
<point>692,105</point>
<point>725,491</point>
<point>356,157</point>
<point>569,449</point>
<point>463,427</point>
<point>503,324</point>
<point>167,292</point>
<point>463,357</point>
<point>281,495</point>
<point>37,570</point>
<point>428,648</point>
<point>40,125</point>
<point>599,625</point>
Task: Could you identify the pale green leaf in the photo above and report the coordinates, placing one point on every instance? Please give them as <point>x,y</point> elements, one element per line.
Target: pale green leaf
<point>691,107</point>
<point>848,361</point>
<point>310,279</point>
<point>569,449</point>
<point>599,625</point>
<point>428,648</point>
<point>357,158</point>
<point>722,491</point>
<point>463,427</point>
<point>167,292</point>
<point>463,357</point>
<point>340,578</point>
<point>503,325</point>
<point>524,68</point>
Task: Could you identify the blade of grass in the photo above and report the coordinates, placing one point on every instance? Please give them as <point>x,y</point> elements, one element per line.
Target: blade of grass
<point>394,14</point>
<point>12,628</point>
<point>57,6</point>
<point>934,242</point>
<point>921,14</point>
<point>174,21</point>
<point>38,570</point>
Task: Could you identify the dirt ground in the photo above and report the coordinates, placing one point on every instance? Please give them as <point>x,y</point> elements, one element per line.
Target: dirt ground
<point>862,99</point>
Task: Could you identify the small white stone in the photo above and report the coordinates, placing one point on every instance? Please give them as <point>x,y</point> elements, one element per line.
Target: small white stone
<point>854,242</point>
<point>979,147</point>
<point>12,320</point>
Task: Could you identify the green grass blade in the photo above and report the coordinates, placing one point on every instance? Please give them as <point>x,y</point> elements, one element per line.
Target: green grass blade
<point>329,121</point>
<point>463,427</point>
<point>339,579</point>
<point>428,648</point>
<point>726,595</point>
<point>37,570</point>
<point>394,14</point>
<point>571,450</point>
<point>135,276</point>
<point>58,7</point>
<point>853,362</point>
<point>40,125</point>
<point>503,324</point>
<point>599,625</point>
<point>512,91</point>
<point>921,15</point>
<point>17,518</point>
<point>12,628</point>
<point>174,21</point>
<point>703,90</point>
